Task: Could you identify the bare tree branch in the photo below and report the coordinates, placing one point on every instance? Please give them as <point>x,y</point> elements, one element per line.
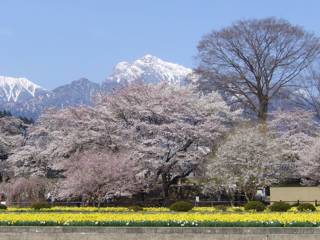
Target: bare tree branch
<point>253,60</point>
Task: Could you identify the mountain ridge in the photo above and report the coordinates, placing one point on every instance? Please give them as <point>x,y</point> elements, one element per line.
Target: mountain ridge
<point>30,100</point>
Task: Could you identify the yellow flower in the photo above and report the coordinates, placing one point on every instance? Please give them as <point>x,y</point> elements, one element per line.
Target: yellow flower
<point>191,217</point>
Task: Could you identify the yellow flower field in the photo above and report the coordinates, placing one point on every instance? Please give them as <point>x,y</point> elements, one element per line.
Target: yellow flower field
<point>160,219</point>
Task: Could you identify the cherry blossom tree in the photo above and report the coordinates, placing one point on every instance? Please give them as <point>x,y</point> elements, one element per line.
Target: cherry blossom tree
<point>58,135</point>
<point>257,156</point>
<point>289,123</point>
<point>297,130</point>
<point>309,166</point>
<point>97,175</point>
<point>63,138</point>
<point>12,132</point>
<point>249,159</point>
<point>170,130</point>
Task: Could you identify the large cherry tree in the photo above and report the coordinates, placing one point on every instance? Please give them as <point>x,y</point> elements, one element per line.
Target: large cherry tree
<point>170,130</point>
<point>249,159</point>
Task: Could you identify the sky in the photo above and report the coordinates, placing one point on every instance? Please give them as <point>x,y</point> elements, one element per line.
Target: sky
<point>53,42</point>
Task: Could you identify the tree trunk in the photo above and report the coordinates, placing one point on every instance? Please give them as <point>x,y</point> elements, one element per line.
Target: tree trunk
<point>165,188</point>
<point>246,196</point>
<point>180,192</point>
<point>263,108</point>
<point>250,193</point>
<point>142,197</point>
<point>231,197</point>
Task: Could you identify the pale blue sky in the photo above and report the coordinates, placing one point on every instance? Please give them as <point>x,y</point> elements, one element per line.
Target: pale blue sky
<point>53,42</point>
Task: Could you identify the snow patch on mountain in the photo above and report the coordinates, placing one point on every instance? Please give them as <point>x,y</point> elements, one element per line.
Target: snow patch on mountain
<point>12,88</point>
<point>149,69</point>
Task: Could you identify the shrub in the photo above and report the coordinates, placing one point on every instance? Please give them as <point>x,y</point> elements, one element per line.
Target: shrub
<point>296,204</point>
<point>181,206</point>
<point>3,207</point>
<point>40,205</point>
<point>303,207</point>
<point>222,208</point>
<point>280,207</point>
<point>135,208</point>
<point>255,205</point>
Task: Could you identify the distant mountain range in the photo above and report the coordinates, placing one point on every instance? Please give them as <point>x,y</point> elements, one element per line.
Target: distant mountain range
<point>22,97</point>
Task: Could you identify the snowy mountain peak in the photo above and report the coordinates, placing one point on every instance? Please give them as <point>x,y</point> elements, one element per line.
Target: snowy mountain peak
<point>149,58</point>
<point>149,69</point>
<point>12,89</point>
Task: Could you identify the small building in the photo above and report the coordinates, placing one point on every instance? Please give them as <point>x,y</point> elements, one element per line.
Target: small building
<point>294,194</point>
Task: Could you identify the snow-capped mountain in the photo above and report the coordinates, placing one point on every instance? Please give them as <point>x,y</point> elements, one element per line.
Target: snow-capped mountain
<point>17,89</point>
<point>31,100</point>
<point>149,69</point>
<point>22,97</point>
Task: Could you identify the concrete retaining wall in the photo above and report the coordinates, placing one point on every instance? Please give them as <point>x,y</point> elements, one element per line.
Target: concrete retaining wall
<point>153,233</point>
